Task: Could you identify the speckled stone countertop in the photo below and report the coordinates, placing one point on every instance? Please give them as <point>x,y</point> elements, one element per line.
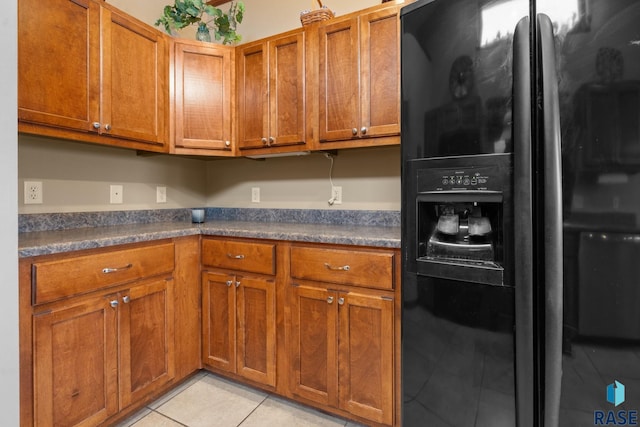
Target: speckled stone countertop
<point>362,231</point>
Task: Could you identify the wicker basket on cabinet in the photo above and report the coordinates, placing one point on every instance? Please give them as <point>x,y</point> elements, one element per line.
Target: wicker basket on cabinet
<point>309,17</point>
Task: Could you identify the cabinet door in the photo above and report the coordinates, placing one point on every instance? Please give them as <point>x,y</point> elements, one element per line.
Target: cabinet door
<point>253,98</point>
<point>256,333</point>
<point>339,81</point>
<point>59,63</point>
<point>313,351</point>
<point>134,80</point>
<point>203,97</point>
<point>146,339</point>
<point>75,369</point>
<point>219,321</point>
<point>380,73</point>
<point>366,356</point>
<point>286,90</point>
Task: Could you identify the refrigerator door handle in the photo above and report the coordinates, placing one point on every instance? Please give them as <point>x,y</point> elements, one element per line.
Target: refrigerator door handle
<point>552,241</point>
<point>523,224</point>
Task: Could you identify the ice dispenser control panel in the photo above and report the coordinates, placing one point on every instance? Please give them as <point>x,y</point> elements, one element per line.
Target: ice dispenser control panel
<point>484,178</point>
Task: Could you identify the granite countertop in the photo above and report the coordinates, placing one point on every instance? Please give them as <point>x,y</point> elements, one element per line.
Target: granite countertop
<point>35,243</point>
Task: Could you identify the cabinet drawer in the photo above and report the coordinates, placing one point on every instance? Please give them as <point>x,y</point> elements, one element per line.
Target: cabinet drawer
<point>358,267</point>
<point>52,280</point>
<point>242,256</point>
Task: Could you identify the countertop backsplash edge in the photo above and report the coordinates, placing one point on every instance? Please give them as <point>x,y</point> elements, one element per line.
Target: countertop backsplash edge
<point>72,220</point>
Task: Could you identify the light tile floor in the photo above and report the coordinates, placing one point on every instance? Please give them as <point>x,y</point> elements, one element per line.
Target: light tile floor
<point>206,400</point>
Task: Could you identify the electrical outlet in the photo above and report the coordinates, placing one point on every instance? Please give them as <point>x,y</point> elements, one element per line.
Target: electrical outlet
<point>336,195</point>
<point>32,192</point>
<point>161,194</point>
<point>255,194</point>
<point>116,196</point>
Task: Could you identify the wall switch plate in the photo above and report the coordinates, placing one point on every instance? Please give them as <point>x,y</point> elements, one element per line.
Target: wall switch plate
<point>115,195</point>
<point>336,195</point>
<point>32,192</point>
<point>161,194</point>
<point>255,194</point>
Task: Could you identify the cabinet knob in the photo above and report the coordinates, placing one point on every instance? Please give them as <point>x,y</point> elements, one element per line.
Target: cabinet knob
<point>107,127</point>
<point>271,140</point>
<point>264,140</point>
<point>96,125</point>
<point>354,131</point>
<point>229,282</point>
<point>126,299</point>
<point>237,284</point>
<point>330,300</point>
<point>227,143</point>
<point>113,303</point>
<point>363,130</point>
<point>341,301</point>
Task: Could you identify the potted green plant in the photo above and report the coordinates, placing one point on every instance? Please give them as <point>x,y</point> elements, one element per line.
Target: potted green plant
<point>188,12</point>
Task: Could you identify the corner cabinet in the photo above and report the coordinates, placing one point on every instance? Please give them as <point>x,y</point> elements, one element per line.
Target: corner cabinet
<point>239,309</point>
<point>271,94</point>
<point>202,91</point>
<point>359,79</point>
<point>89,72</point>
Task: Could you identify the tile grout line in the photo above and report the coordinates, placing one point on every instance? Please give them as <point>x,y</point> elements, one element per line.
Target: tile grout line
<point>254,410</point>
<point>162,415</point>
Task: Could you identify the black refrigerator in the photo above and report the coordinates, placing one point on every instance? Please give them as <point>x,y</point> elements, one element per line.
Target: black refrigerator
<point>520,213</point>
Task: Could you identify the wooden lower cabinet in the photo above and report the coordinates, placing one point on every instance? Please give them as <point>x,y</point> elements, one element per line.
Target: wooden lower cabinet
<point>76,364</point>
<point>104,331</point>
<point>145,320</point>
<point>342,350</point>
<point>239,325</point>
<point>96,357</point>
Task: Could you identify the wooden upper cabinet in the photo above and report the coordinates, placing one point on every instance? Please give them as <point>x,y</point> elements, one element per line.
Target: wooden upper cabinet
<point>134,79</point>
<point>271,92</point>
<point>358,79</point>
<point>88,71</point>
<point>339,80</point>
<point>58,63</point>
<point>202,97</point>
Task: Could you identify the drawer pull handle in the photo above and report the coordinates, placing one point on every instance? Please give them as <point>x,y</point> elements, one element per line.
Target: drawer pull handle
<point>113,270</point>
<point>343,268</point>
<point>235,256</point>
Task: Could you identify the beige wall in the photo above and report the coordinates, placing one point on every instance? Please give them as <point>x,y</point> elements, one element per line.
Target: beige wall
<point>369,179</point>
<point>76,177</point>
<point>262,18</point>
